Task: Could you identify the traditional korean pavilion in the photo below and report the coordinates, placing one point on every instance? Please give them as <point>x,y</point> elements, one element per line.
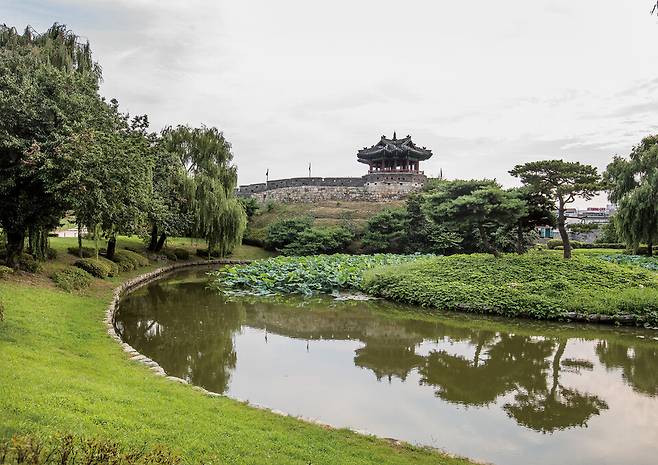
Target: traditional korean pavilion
<point>394,155</point>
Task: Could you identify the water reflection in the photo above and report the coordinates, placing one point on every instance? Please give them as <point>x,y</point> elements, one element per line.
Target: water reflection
<point>545,377</point>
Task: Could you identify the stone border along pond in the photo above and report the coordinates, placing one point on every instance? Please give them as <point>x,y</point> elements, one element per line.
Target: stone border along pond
<point>146,278</point>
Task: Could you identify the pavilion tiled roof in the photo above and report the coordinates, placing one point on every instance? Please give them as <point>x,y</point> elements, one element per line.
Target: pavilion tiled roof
<point>393,149</point>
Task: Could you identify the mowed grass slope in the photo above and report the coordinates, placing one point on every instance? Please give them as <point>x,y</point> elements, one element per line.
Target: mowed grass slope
<point>61,373</point>
<point>538,285</point>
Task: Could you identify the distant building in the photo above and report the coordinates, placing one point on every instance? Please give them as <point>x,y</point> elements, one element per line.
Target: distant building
<point>393,173</point>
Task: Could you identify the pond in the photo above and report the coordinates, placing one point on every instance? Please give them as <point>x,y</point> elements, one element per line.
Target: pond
<point>502,391</point>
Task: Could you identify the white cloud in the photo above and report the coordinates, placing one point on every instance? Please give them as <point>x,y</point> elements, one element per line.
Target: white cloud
<point>486,85</point>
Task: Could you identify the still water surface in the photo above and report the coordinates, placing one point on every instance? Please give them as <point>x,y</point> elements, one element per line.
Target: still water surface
<point>506,392</point>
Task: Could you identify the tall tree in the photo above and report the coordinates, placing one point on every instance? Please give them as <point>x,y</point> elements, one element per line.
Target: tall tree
<point>211,180</point>
<point>48,87</point>
<point>633,185</point>
<point>560,182</point>
<point>480,205</point>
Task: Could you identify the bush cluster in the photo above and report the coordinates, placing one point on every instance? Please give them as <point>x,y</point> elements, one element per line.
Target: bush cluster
<point>556,244</point>
<point>72,279</point>
<point>533,285</point>
<point>297,236</point>
<point>96,268</point>
<point>87,252</point>
<point>70,449</point>
<point>112,268</point>
<point>128,260</point>
<point>181,254</point>
<point>27,262</point>
<point>4,271</point>
<point>203,253</point>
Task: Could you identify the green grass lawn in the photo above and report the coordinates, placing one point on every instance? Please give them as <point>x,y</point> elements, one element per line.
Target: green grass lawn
<point>61,373</point>
<point>538,285</point>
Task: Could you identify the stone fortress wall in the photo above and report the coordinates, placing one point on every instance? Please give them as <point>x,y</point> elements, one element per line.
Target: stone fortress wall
<point>378,187</point>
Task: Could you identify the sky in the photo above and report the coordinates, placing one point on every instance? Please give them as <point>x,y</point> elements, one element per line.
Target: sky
<point>485,84</point>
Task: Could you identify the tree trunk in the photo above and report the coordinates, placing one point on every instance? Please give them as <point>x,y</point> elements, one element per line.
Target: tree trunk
<point>519,240</point>
<point>154,238</point>
<point>111,247</point>
<point>80,240</point>
<point>561,226</point>
<point>650,249</point>
<point>161,242</point>
<point>485,241</point>
<point>15,245</point>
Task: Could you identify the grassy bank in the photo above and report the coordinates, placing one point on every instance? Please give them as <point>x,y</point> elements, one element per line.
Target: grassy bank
<point>537,285</point>
<point>61,373</point>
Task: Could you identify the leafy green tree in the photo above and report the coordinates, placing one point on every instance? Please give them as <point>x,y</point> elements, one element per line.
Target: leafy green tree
<point>537,213</point>
<point>48,88</point>
<point>633,185</point>
<point>314,241</point>
<point>286,231</point>
<point>170,210</point>
<point>210,181</point>
<point>424,235</point>
<point>482,206</point>
<point>560,182</point>
<point>387,231</point>
<point>609,234</point>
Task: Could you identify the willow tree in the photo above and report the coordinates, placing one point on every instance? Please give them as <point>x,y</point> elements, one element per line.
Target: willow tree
<point>210,180</point>
<point>632,184</point>
<point>48,87</point>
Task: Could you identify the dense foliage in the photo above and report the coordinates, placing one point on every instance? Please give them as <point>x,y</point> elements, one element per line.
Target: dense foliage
<point>538,285</point>
<point>560,183</point>
<point>94,267</point>
<point>633,185</point>
<point>557,244</point>
<point>72,279</point>
<point>65,150</point>
<point>303,275</point>
<point>69,449</point>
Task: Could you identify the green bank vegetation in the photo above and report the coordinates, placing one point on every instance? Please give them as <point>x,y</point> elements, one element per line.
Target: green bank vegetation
<point>537,285</point>
<point>303,275</point>
<point>60,374</point>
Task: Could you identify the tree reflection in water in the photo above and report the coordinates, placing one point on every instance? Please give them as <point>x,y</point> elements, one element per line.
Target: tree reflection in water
<point>191,332</point>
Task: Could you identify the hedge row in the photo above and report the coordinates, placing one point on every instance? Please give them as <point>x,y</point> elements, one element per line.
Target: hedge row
<point>128,260</point>
<point>557,243</point>
<point>72,279</point>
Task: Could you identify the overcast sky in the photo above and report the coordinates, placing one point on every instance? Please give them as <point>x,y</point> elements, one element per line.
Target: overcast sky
<point>484,84</point>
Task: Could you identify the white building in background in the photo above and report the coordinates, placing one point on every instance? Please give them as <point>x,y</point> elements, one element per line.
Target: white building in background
<point>590,215</point>
<point>71,232</point>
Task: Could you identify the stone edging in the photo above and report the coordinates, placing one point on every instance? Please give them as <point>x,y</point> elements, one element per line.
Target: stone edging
<point>141,280</point>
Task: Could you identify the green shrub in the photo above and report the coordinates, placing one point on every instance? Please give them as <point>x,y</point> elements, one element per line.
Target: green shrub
<point>286,231</point>
<point>72,278</point>
<point>255,236</point>
<point>69,449</point>
<point>128,260</point>
<point>51,254</point>
<point>94,267</point>
<point>113,268</point>
<point>203,253</point>
<point>4,271</point>
<point>533,285</point>
<point>556,244</point>
<point>170,255</point>
<point>314,241</point>
<point>28,263</point>
<point>182,254</point>
<point>87,252</point>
